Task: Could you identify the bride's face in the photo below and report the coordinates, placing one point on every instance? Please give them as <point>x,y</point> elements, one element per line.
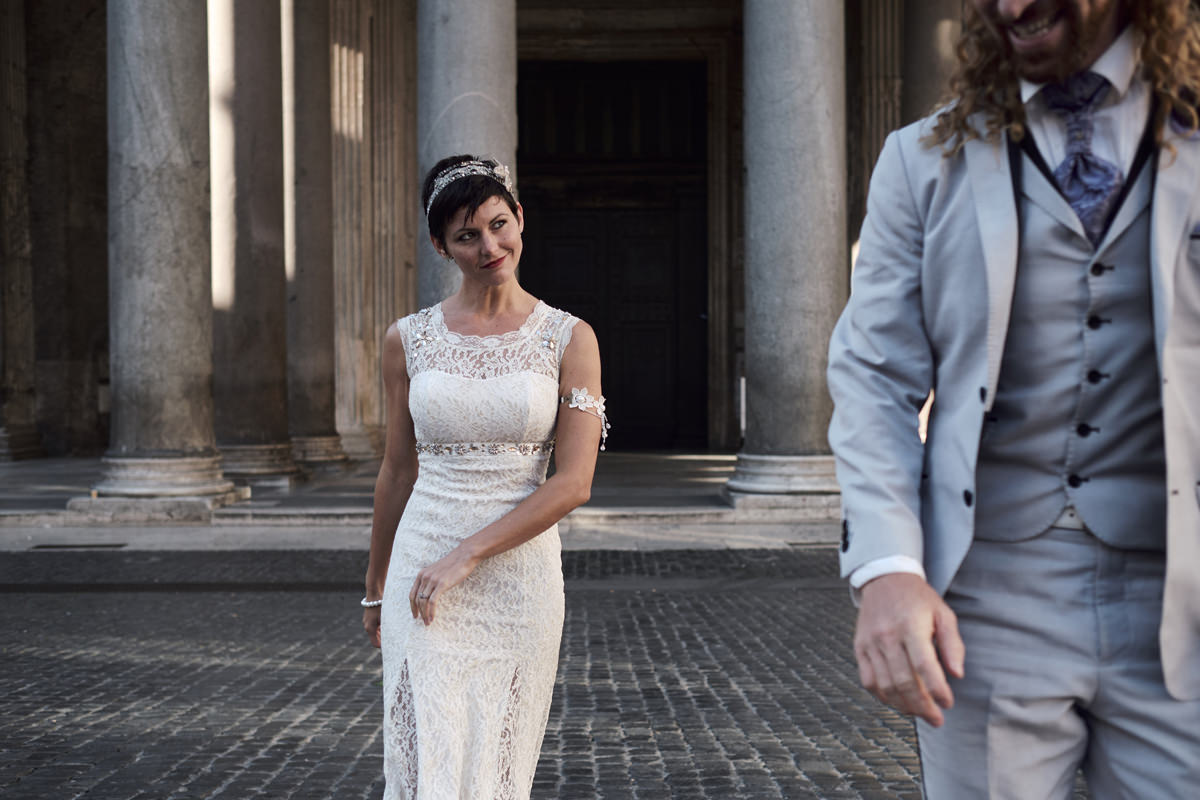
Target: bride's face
<point>486,246</point>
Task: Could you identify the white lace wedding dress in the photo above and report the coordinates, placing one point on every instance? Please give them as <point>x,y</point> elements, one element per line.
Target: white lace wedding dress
<point>467,697</point>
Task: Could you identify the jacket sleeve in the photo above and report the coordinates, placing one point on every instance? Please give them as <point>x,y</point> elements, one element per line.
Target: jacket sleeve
<point>881,369</point>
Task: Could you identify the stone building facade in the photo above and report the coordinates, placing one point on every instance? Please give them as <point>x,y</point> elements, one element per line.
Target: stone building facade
<point>210,213</point>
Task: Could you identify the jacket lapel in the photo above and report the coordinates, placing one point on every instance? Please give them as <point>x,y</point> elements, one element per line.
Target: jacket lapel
<point>996,216</point>
<point>1041,192</point>
<point>1174,193</point>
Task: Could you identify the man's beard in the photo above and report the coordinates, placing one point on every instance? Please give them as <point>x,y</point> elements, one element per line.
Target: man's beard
<point>1074,53</point>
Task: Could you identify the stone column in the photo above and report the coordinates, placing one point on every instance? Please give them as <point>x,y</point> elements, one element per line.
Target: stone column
<point>796,250</point>
<point>160,301</point>
<point>466,102</point>
<point>877,45</point>
<point>18,430</point>
<point>249,285</point>
<point>308,232</point>
<point>375,218</point>
<point>931,29</point>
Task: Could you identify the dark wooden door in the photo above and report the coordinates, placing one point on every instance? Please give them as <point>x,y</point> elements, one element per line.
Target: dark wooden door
<point>615,233</point>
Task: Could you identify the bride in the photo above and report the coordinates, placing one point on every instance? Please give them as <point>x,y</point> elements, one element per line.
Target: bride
<point>464,588</point>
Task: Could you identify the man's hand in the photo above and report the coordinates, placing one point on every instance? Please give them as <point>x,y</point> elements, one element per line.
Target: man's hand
<point>899,619</point>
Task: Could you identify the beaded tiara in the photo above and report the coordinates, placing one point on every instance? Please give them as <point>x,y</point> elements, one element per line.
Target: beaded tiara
<point>499,173</point>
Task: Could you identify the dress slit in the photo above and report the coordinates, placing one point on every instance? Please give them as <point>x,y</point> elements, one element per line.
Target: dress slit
<point>508,737</point>
<point>401,731</point>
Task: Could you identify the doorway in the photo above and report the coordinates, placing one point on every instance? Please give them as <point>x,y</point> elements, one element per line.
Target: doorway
<point>611,168</point>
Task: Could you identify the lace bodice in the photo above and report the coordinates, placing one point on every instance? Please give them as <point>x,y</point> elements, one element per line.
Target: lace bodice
<point>514,375</point>
<point>537,346</point>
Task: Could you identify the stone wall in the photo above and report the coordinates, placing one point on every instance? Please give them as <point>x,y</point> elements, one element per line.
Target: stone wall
<point>18,431</point>
<point>68,220</point>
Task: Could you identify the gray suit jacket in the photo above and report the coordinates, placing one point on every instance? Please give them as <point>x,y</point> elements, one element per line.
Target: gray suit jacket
<point>929,309</point>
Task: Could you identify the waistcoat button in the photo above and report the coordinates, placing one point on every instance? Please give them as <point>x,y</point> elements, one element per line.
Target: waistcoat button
<point>1095,376</point>
<point>1074,481</point>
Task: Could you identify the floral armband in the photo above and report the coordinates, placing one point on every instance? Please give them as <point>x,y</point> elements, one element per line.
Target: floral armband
<point>591,405</point>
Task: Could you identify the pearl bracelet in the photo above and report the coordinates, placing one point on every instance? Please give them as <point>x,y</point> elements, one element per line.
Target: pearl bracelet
<point>365,603</point>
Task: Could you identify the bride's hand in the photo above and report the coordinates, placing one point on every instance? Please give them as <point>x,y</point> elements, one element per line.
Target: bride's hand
<point>371,617</point>
<point>435,579</point>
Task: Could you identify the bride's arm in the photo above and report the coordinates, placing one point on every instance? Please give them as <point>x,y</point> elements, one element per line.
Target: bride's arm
<point>577,441</point>
<point>397,474</point>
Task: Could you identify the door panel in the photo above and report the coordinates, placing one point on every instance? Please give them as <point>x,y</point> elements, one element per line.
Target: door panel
<point>612,180</point>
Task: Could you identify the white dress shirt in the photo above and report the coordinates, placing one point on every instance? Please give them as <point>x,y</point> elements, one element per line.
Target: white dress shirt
<point>1119,121</point>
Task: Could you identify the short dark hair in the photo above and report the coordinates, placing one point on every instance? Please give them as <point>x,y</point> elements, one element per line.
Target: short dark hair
<point>468,192</point>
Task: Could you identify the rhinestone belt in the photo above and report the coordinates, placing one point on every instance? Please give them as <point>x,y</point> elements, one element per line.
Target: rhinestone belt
<point>485,448</point>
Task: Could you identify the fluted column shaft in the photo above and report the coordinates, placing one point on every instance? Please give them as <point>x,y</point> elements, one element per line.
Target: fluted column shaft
<point>931,29</point>
<point>308,231</point>
<point>466,101</point>
<point>160,307</point>
<point>250,324</point>
<point>796,251</point>
<point>877,43</point>
<point>374,210</point>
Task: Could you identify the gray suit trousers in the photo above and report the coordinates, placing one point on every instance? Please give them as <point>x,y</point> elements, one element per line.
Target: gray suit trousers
<point>1062,672</point>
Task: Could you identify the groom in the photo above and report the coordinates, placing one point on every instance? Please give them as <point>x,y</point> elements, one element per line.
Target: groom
<point>1029,576</point>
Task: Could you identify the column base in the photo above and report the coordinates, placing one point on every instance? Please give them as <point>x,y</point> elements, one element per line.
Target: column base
<point>155,509</point>
<point>318,451</point>
<point>758,474</point>
<point>363,443</point>
<point>165,476</point>
<point>805,487</point>
<point>20,442</point>
<point>260,464</point>
<point>160,489</point>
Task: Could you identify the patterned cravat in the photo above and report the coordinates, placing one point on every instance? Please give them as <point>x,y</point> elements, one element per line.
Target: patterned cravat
<point>1089,183</point>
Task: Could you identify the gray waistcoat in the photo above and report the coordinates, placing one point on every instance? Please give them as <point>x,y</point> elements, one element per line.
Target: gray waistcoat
<point>1078,415</point>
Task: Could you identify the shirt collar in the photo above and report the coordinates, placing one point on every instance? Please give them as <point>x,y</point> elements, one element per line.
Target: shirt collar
<point>1118,64</point>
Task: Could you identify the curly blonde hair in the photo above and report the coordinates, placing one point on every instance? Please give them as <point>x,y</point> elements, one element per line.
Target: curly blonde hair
<point>985,81</point>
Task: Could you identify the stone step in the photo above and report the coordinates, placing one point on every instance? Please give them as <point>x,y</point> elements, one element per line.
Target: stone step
<point>806,510</point>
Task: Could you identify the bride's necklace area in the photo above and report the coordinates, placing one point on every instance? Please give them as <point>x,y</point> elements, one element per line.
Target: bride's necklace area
<point>478,327</point>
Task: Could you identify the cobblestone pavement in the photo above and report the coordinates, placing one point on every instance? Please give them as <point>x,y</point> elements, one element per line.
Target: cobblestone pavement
<point>686,674</point>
